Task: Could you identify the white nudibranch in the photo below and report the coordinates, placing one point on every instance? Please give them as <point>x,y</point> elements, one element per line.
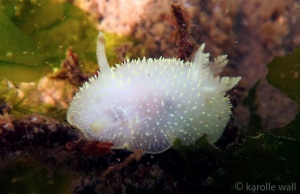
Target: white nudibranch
<point>146,104</point>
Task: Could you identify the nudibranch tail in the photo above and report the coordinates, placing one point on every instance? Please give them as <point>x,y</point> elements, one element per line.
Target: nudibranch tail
<point>101,56</point>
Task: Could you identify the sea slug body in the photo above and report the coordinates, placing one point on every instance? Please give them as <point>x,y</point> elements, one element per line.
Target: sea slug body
<point>146,104</point>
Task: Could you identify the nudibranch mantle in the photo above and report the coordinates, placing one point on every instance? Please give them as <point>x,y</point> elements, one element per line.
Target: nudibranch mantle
<point>146,104</point>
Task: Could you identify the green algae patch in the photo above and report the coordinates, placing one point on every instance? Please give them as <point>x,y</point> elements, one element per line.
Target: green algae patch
<point>37,33</point>
<point>255,123</point>
<point>291,131</point>
<point>283,74</point>
<point>202,154</point>
<point>200,144</point>
<point>25,178</point>
<point>16,46</point>
<point>18,72</point>
<point>259,156</point>
<point>259,160</point>
<point>34,37</point>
